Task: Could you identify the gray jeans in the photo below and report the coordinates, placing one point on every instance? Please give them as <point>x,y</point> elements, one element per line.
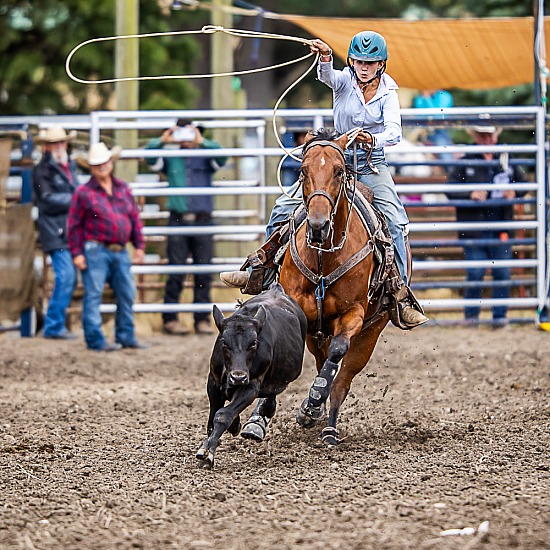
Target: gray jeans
<point>385,199</point>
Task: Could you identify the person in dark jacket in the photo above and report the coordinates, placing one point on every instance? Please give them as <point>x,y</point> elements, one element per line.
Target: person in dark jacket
<point>54,182</point>
<point>492,243</point>
<point>188,211</point>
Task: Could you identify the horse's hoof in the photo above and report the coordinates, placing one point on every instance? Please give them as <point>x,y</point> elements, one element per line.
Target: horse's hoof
<point>205,458</point>
<point>329,436</point>
<point>254,429</point>
<point>309,417</point>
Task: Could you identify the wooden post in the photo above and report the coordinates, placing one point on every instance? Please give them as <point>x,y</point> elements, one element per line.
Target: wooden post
<point>222,58</point>
<point>223,98</point>
<point>127,93</point>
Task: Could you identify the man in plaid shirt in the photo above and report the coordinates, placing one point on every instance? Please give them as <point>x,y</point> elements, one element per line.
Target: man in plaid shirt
<point>103,218</point>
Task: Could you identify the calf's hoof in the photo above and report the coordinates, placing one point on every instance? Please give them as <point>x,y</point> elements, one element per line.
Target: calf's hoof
<point>308,416</point>
<point>330,436</point>
<point>205,458</point>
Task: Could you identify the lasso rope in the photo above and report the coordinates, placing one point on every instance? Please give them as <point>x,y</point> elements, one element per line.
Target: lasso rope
<point>211,29</point>
<point>208,29</point>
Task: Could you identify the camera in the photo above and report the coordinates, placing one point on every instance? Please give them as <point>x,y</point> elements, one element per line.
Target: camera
<point>184,133</point>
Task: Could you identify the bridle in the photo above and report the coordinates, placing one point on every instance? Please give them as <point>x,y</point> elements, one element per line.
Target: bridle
<point>346,177</point>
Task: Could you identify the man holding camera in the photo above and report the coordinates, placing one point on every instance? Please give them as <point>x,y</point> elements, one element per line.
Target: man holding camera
<point>187,211</point>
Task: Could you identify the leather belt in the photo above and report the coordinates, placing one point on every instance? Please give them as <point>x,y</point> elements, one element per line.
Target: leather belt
<point>113,247</point>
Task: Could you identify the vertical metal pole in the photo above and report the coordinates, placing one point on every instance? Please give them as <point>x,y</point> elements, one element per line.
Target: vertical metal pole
<point>260,131</point>
<point>541,204</point>
<point>536,16</point>
<point>28,316</point>
<point>95,130</point>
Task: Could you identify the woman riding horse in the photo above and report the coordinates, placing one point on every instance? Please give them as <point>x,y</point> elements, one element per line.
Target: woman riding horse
<point>364,97</point>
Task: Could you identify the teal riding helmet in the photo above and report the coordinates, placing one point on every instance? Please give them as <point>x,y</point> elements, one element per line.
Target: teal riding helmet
<point>368,46</point>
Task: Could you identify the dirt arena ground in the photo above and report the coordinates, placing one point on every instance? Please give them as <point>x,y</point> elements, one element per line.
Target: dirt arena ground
<point>446,428</point>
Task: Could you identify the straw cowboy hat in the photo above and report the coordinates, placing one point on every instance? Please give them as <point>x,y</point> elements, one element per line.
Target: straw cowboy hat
<point>55,134</point>
<point>98,154</point>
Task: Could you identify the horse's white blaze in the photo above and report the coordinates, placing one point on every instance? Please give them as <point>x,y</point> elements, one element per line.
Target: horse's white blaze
<point>323,162</point>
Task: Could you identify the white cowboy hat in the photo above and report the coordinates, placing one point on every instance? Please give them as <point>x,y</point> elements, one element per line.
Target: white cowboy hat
<point>484,129</point>
<point>98,154</point>
<point>54,134</point>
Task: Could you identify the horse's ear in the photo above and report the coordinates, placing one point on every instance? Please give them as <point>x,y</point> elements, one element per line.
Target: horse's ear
<point>218,317</point>
<point>309,136</point>
<point>342,141</point>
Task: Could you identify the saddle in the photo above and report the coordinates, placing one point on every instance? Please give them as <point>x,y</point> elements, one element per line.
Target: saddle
<point>271,253</point>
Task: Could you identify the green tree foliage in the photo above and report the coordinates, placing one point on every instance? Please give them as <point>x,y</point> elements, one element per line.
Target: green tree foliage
<point>36,37</point>
<point>401,8</point>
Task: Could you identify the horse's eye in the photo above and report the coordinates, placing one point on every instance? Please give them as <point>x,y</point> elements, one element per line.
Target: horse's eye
<point>340,173</point>
<point>253,346</point>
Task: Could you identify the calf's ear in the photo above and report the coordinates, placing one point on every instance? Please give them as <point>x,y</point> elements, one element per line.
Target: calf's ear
<point>260,316</point>
<point>218,317</point>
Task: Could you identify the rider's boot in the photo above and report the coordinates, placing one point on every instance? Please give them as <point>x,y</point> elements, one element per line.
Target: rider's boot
<point>241,279</point>
<point>261,267</point>
<point>405,311</point>
<point>236,279</point>
<point>410,311</point>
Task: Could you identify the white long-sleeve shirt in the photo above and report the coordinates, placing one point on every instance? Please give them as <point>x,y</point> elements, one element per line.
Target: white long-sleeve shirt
<point>381,116</point>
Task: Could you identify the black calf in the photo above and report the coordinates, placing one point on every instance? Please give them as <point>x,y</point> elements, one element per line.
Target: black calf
<point>258,352</point>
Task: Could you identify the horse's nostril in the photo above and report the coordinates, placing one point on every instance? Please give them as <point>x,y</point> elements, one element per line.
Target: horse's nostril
<point>318,232</point>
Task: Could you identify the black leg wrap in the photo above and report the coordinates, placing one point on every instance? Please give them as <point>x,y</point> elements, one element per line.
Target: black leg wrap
<point>255,427</point>
<point>320,390</point>
<point>330,436</point>
<point>308,416</point>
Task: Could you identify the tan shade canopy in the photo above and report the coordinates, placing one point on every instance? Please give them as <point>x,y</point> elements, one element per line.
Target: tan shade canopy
<point>470,54</point>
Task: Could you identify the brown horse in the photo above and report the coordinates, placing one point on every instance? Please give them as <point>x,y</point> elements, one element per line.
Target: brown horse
<point>329,272</point>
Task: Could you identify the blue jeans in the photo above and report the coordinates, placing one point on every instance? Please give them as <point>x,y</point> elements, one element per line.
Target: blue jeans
<point>476,274</point>
<point>385,199</point>
<point>64,285</point>
<point>104,266</point>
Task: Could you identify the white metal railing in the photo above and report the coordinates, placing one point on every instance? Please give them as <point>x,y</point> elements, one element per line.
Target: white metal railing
<point>259,121</point>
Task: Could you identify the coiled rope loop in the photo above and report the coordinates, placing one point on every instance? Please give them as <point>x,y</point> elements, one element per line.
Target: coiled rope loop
<point>207,29</point>
<point>211,29</point>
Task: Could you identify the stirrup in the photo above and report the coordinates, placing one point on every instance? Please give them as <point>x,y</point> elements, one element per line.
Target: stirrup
<point>396,307</point>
